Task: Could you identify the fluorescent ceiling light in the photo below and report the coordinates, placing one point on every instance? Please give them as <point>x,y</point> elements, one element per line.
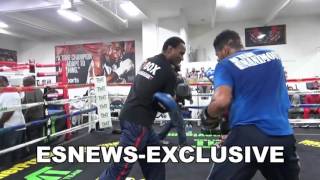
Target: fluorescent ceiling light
<point>261,36</point>
<point>3,31</point>
<point>71,15</point>
<point>129,8</point>
<point>3,25</point>
<point>227,3</point>
<point>66,4</point>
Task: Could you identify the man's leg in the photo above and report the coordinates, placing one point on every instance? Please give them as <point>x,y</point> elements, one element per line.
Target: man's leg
<point>153,171</point>
<point>166,129</point>
<point>290,169</point>
<point>239,136</point>
<point>19,153</point>
<point>180,127</point>
<point>10,139</point>
<point>234,171</point>
<point>131,135</point>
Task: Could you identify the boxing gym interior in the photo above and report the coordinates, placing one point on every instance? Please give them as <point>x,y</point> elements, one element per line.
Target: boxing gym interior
<point>67,67</point>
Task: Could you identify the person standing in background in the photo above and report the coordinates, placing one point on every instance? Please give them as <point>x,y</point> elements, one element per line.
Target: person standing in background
<point>10,119</point>
<point>33,113</point>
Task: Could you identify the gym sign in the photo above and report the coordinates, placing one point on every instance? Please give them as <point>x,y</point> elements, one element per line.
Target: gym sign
<point>311,143</point>
<point>47,173</point>
<point>201,140</point>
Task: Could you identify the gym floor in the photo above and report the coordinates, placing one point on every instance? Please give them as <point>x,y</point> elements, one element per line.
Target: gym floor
<point>308,144</point>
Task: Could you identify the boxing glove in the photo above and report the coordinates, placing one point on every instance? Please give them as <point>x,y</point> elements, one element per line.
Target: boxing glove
<point>209,122</point>
<point>124,67</point>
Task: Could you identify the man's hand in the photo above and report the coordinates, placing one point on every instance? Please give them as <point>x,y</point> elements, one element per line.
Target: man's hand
<point>5,117</point>
<point>208,122</point>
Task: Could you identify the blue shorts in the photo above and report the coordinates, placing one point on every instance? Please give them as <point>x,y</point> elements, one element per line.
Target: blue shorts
<point>133,134</point>
<point>250,135</point>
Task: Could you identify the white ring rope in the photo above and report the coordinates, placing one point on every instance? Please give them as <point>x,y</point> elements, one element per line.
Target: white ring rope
<point>13,148</point>
<point>304,92</point>
<point>53,102</point>
<point>292,121</point>
<point>304,121</point>
<point>210,94</point>
<point>17,73</point>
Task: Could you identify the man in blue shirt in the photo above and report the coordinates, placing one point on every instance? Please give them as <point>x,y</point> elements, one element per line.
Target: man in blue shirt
<point>251,85</point>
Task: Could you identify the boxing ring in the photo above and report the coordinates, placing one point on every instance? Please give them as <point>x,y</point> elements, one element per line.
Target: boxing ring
<point>308,141</point>
<point>307,147</point>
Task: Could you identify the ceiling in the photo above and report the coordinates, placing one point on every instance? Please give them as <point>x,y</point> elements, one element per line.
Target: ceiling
<point>36,19</point>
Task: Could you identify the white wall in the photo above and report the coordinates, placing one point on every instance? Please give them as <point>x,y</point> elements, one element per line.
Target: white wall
<point>176,26</point>
<point>7,42</point>
<point>300,55</point>
<point>149,38</point>
<point>44,51</point>
<point>156,32</point>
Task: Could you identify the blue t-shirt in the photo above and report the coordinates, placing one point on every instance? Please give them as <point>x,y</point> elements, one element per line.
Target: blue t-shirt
<point>260,96</point>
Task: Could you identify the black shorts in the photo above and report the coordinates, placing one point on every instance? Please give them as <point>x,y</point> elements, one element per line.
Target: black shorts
<point>250,135</point>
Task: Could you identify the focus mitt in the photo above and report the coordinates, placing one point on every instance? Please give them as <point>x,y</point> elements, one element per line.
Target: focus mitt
<point>164,102</point>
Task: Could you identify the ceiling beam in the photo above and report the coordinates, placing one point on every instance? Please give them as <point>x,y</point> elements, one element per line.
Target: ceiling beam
<point>142,6</point>
<point>18,35</point>
<point>37,23</point>
<point>213,11</point>
<point>95,17</point>
<point>105,14</point>
<point>276,11</point>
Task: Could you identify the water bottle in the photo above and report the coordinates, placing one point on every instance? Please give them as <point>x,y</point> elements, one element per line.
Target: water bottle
<point>188,128</point>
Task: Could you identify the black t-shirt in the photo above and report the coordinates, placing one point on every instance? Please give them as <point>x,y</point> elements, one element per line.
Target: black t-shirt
<point>156,75</point>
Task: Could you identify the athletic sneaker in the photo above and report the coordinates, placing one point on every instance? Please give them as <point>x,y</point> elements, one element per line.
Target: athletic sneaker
<point>164,142</point>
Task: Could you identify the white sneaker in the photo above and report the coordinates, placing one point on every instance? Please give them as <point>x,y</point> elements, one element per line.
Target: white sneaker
<point>164,142</point>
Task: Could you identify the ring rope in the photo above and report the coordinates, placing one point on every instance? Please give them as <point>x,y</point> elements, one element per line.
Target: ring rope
<point>292,106</point>
<point>210,94</point>
<point>13,148</point>
<point>292,121</point>
<point>53,102</point>
<point>55,86</point>
<point>304,92</point>
<point>16,73</point>
<point>38,122</point>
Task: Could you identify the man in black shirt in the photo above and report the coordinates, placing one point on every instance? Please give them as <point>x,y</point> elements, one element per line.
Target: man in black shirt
<point>139,111</point>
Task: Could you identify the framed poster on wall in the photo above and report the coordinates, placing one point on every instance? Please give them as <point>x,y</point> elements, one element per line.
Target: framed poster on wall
<point>114,60</point>
<point>8,55</point>
<point>266,35</point>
